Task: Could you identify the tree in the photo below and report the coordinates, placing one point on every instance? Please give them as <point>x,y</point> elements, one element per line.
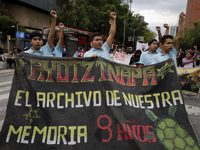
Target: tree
<point>93,15</point>
<point>196,37</point>
<point>187,38</point>
<point>191,36</point>
<point>149,35</point>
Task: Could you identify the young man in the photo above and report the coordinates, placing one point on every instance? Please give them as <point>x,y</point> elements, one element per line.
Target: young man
<point>36,39</point>
<point>145,58</point>
<point>57,52</point>
<point>100,49</point>
<point>169,50</point>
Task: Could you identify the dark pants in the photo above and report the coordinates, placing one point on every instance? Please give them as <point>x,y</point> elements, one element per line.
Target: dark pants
<point>197,62</point>
<point>10,61</point>
<point>179,63</point>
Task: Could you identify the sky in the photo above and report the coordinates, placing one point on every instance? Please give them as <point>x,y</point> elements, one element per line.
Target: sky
<point>158,12</point>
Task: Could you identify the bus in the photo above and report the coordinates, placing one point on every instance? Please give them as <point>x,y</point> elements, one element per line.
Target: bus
<point>73,38</point>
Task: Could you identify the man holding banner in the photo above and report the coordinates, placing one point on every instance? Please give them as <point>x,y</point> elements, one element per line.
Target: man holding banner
<point>36,39</point>
<point>100,49</point>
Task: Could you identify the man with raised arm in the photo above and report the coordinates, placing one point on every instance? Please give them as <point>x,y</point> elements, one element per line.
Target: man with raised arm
<point>169,49</point>
<point>57,52</point>
<point>159,35</point>
<point>98,48</point>
<point>36,39</point>
<point>167,29</point>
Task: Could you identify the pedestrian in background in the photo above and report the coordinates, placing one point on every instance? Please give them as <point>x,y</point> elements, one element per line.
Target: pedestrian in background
<point>180,56</point>
<point>64,52</point>
<point>135,58</point>
<point>188,60</point>
<point>10,58</point>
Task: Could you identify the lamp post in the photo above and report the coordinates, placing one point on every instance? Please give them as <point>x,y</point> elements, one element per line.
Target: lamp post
<point>17,36</point>
<point>134,33</point>
<point>125,28</point>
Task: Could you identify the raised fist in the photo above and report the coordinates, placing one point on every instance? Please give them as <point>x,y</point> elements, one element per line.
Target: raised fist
<point>166,25</point>
<point>195,47</point>
<point>113,15</point>
<point>53,14</point>
<point>110,22</point>
<point>61,25</point>
<point>157,28</point>
<point>182,16</point>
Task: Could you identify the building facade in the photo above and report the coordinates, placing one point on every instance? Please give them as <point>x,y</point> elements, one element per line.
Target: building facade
<point>192,12</point>
<point>173,30</point>
<point>33,14</point>
<point>126,2</point>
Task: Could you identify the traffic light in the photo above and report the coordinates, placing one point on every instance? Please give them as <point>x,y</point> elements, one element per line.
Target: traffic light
<point>9,37</point>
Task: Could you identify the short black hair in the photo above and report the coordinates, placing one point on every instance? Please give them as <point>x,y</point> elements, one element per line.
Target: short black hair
<point>95,34</point>
<point>138,51</point>
<point>163,39</point>
<point>150,42</point>
<point>34,34</point>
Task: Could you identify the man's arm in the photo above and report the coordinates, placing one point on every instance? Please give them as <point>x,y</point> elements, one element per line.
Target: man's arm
<point>112,31</point>
<point>180,30</point>
<point>167,29</point>
<point>52,29</point>
<point>195,47</point>
<point>114,51</point>
<point>196,53</point>
<point>61,37</point>
<point>159,35</point>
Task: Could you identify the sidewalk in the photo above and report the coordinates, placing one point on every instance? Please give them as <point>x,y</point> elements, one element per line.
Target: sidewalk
<point>193,110</point>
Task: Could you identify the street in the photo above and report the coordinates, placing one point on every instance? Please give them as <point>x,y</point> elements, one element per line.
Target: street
<point>192,105</point>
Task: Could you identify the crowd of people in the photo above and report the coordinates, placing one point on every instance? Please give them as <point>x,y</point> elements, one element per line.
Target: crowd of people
<point>166,46</point>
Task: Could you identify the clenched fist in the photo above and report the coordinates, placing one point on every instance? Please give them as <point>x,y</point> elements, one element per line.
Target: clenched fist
<point>113,15</point>
<point>61,25</point>
<point>157,28</point>
<point>182,16</point>
<point>53,14</point>
<point>166,25</point>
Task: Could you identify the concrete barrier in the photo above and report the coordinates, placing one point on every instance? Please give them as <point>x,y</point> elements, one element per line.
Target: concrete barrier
<point>3,65</point>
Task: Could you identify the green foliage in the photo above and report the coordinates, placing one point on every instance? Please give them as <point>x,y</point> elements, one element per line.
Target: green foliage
<point>8,23</point>
<point>93,15</point>
<point>6,26</point>
<point>149,35</point>
<point>191,36</point>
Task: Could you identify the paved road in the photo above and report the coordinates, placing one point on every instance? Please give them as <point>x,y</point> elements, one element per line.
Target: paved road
<point>5,85</point>
<point>192,105</point>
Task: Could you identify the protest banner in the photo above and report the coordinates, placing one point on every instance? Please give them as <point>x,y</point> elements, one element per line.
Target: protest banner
<point>87,104</point>
<point>189,79</point>
<point>122,58</point>
<point>142,46</point>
